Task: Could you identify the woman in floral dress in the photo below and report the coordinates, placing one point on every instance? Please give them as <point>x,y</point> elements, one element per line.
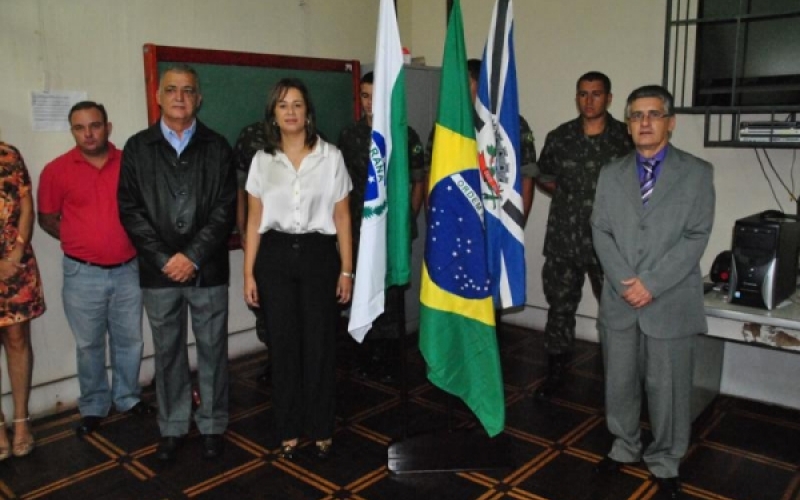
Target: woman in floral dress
<point>21,296</point>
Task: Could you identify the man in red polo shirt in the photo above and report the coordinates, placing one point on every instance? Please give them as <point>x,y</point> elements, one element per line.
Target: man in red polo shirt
<point>78,206</point>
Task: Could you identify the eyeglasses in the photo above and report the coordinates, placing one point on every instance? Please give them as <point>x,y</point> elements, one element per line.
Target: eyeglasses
<point>638,116</point>
<point>173,90</point>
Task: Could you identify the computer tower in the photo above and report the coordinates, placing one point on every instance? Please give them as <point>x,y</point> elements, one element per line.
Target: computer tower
<point>764,261</point>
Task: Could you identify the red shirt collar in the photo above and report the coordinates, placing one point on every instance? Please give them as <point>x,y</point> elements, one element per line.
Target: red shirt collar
<point>113,154</point>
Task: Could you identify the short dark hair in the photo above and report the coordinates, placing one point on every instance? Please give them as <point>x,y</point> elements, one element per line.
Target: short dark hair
<point>368,77</point>
<point>651,91</point>
<point>88,105</point>
<point>593,76</point>
<point>271,127</point>
<point>181,68</point>
<point>474,69</point>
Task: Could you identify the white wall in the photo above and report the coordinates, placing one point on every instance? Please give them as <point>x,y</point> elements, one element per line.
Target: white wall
<point>97,47</point>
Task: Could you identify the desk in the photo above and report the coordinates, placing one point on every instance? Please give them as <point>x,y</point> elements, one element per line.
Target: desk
<point>785,316</point>
<point>726,361</point>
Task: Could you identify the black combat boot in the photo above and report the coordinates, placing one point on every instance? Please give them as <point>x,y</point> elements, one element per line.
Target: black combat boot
<point>368,357</point>
<point>556,370</point>
<point>390,361</point>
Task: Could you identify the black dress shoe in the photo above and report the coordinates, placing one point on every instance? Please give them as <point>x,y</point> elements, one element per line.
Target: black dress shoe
<point>88,425</point>
<point>388,378</point>
<point>607,466</point>
<point>141,409</point>
<point>549,388</point>
<point>324,449</point>
<point>168,448</point>
<point>264,377</point>
<point>212,446</point>
<point>556,370</point>
<point>287,450</point>
<point>669,487</point>
<point>364,373</point>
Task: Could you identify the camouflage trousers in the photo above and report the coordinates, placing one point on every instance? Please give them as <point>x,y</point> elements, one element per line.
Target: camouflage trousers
<point>562,281</point>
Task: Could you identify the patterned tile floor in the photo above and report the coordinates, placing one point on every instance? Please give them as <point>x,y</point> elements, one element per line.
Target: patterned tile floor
<point>741,450</point>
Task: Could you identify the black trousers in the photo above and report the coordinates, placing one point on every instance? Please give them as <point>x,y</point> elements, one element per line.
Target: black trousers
<point>297,277</point>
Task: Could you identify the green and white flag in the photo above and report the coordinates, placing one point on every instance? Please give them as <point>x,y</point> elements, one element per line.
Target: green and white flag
<point>384,249</point>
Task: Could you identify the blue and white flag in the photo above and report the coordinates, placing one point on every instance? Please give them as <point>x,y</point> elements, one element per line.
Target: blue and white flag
<point>385,222</point>
<point>498,132</point>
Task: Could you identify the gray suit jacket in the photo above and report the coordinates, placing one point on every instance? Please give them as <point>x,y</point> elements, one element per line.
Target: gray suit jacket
<point>661,244</point>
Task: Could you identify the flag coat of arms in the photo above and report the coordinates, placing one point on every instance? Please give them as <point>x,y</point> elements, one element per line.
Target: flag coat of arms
<point>498,134</point>
<point>385,245</point>
<point>457,326</point>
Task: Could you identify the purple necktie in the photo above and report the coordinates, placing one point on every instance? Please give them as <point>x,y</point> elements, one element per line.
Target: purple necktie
<point>648,181</point>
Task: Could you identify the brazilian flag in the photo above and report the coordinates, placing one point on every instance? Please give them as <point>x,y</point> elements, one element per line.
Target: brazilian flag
<point>457,327</point>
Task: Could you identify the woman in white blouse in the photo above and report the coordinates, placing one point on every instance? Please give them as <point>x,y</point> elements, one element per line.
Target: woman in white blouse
<point>298,211</point>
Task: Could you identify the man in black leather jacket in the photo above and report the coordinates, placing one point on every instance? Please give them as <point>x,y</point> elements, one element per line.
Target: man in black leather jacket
<point>177,195</point>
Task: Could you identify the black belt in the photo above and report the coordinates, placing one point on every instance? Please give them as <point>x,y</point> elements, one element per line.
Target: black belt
<point>101,266</point>
<point>296,240</point>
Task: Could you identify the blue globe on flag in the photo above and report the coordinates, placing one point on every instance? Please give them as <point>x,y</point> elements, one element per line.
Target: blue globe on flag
<point>455,252</point>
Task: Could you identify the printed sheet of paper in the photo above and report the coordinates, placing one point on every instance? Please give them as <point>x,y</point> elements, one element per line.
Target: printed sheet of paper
<point>50,108</point>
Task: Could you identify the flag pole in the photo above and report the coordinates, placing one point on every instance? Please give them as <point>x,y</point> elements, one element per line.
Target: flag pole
<point>447,450</point>
<point>457,311</point>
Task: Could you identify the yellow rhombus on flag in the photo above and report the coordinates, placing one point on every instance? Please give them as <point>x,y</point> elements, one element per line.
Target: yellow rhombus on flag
<point>457,326</point>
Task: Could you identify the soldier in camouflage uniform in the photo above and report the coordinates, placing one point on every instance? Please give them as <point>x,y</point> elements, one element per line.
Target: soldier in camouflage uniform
<point>570,164</point>
<point>251,139</point>
<point>379,355</point>
<point>528,167</point>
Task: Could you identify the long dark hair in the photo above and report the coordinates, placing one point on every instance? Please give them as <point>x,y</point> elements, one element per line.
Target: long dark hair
<point>273,131</point>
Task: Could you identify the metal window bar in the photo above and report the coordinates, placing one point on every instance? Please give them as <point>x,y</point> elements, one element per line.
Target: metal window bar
<point>722,123</point>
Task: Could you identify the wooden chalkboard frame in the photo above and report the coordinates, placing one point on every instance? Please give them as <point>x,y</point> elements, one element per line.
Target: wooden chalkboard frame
<point>155,54</point>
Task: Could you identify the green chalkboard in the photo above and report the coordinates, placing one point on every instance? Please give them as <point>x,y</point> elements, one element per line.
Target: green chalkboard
<point>235,96</point>
<point>235,86</point>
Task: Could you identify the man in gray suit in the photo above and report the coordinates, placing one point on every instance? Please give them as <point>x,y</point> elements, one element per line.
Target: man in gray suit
<point>653,213</point>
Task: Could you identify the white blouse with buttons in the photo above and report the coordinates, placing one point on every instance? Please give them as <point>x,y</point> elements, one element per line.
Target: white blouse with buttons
<point>302,200</point>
